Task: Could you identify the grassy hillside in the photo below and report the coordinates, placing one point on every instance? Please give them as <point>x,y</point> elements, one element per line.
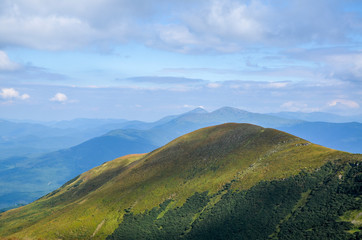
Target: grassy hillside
<point>24,179</point>
<point>212,161</point>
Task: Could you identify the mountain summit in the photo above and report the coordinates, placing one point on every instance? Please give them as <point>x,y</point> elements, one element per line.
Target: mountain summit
<point>198,110</point>
<point>221,182</point>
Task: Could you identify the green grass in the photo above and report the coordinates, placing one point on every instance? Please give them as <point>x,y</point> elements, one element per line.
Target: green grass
<point>197,162</point>
<point>355,217</point>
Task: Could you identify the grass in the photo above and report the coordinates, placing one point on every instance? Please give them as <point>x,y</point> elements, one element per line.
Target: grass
<point>204,160</point>
<point>355,217</point>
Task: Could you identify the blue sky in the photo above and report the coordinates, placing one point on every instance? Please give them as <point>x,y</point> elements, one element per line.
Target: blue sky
<point>140,59</point>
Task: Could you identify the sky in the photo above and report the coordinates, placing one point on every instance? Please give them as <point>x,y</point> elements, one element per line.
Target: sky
<point>142,59</point>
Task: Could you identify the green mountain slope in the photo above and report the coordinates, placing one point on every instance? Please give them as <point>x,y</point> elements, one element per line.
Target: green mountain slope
<point>305,206</point>
<point>24,179</point>
<point>195,176</point>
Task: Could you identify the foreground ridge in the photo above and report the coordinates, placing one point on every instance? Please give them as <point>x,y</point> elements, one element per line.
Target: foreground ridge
<point>211,177</point>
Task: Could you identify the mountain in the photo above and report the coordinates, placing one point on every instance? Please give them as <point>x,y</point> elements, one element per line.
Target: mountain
<point>200,118</point>
<point>231,181</point>
<point>19,139</point>
<point>318,117</point>
<point>24,179</point>
<point>341,136</point>
<point>85,123</point>
<point>28,138</point>
<point>232,115</point>
<point>24,139</point>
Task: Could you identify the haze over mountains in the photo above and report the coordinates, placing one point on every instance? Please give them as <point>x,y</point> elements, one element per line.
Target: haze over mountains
<point>24,139</point>
<point>25,178</point>
<point>318,117</point>
<point>231,181</point>
<point>272,168</point>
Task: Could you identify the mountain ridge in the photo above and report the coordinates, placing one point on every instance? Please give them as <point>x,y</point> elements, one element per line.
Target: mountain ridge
<point>44,174</point>
<point>234,155</point>
<point>318,117</point>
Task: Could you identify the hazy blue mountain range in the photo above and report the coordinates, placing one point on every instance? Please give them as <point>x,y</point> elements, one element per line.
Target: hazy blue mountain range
<point>318,117</point>
<point>19,138</point>
<point>23,179</point>
<point>342,136</point>
<point>24,139</point>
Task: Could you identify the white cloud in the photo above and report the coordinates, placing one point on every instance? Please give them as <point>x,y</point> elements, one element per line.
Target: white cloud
<point>174,34</point>
<point>61,24</point>
<point>347,66</point>
<point>6,63</point>
<point>193,106</point>
<point>294,106</point>
<point>230,19</point>
<point>46,32</point>
<point>343,103</point>
<point>276,85</point>
<point>59,97</point>
<point>219,25</point>
<point>328,65</point>
<point>230,25</point>
<point>24,96</point>
<point>213,85</point>
<point>11,93</point>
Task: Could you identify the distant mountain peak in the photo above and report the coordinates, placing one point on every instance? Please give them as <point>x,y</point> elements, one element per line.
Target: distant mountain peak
<point>198,110</point>
<point>229,110</point>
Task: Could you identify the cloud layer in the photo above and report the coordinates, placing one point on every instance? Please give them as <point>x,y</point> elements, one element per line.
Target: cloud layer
<point>115,56</point>
<point>6,64</point>
<point>217,25</point>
